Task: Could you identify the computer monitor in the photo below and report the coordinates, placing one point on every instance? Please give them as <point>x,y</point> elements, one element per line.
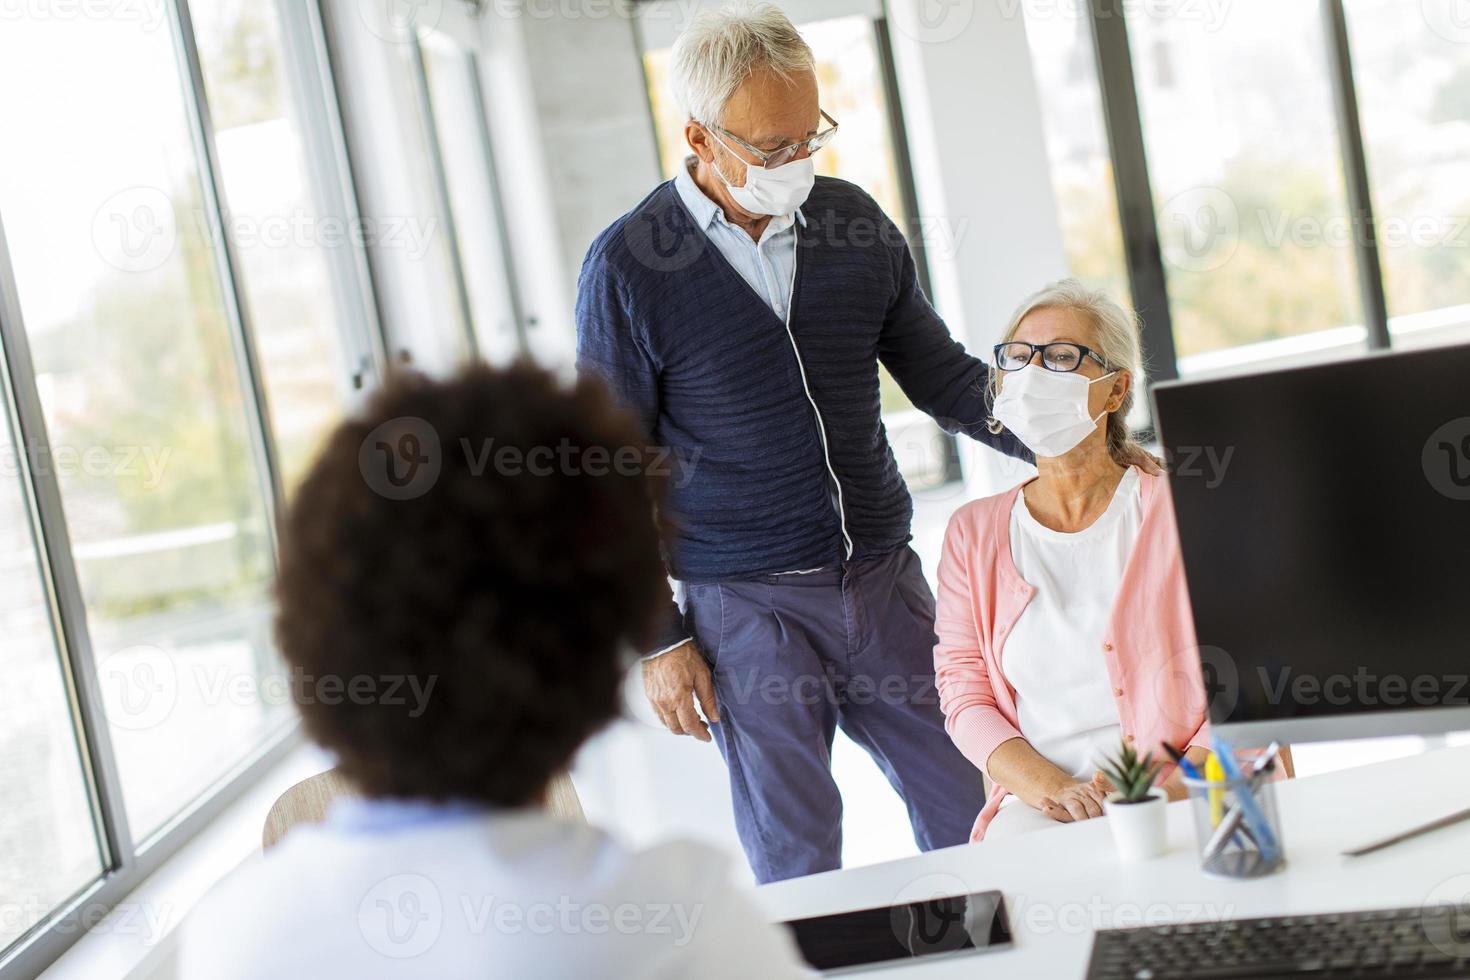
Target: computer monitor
<point>1324,518</point>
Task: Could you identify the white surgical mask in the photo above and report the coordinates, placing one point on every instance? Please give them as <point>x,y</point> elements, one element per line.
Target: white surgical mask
<point>1047,410</point>
<point>778,191</point>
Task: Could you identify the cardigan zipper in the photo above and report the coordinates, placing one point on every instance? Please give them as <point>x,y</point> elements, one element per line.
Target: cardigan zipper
<point>821,426</point>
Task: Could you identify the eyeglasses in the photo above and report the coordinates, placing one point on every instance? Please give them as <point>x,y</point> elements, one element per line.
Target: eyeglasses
<point>770,159</point>
<point>1061,356</point>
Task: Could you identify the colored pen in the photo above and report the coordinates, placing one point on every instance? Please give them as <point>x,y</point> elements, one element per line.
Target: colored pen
<point>1183,762</point>
<point>1215,776</point>
<point>1245,798</point>
<point>1232,825</point>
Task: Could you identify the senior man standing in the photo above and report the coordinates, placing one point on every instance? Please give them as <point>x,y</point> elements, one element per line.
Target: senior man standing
<point>742,310</point>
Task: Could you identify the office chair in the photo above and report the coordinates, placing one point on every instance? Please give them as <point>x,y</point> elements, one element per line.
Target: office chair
<point>308,801</point>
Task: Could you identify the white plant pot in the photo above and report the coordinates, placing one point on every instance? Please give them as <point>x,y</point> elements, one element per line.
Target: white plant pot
<point>1139,829</point>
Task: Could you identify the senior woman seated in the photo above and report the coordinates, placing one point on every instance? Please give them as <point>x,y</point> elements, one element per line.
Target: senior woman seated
<point>491,540</point>
<point>1063,622</point>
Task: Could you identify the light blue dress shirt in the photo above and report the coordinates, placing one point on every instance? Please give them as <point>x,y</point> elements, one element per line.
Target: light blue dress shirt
<point>768,265</point>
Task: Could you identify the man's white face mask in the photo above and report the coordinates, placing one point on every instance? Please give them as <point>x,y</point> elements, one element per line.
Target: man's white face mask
<point>776,191</point>
<point>1047,410</point>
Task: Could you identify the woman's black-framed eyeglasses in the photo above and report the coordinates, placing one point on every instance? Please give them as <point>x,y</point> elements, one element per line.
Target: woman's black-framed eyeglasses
<point>1062,356</point>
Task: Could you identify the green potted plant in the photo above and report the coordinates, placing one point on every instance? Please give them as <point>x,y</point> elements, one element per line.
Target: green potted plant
<point>1135,808</point>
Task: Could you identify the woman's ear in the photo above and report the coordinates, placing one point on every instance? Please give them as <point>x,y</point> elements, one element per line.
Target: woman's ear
<point>1122,384</point>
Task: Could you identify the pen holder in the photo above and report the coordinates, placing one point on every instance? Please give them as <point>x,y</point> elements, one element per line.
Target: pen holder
<point>1238,824</point>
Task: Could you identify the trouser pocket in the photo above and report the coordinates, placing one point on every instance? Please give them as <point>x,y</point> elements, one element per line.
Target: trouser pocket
<point>704,618</point>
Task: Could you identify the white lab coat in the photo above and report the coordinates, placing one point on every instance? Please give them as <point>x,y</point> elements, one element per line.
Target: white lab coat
<point>481,895</point>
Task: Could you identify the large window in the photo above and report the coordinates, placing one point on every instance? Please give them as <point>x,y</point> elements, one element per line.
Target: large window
<point>1077,144</point>
<point>48,845</point>
<point>166,386</point>
<point>186,313</point>
<point>854,91</point>
<point>1250,245</point>
<point>136,364</point>
<point>1246,171</point>
<point>280,234</point>
<point>1413,82</point>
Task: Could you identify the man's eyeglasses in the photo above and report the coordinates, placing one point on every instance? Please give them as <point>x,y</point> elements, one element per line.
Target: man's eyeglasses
<point>1061,356</point>
<point>770,159</point>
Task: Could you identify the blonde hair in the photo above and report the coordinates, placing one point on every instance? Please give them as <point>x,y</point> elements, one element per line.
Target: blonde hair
<point>723,46</point>
<point>1116,334</point>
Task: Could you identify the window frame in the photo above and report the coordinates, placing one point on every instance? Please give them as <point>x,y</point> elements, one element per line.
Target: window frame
<point>125,863</point>
<point>309,67</point>
<point>484,150</point>
<point>1142,254</point>
<point>443,198</point>
<point>342,49</point>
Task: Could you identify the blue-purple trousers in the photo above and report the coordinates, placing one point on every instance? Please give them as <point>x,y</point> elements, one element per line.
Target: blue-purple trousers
<point>795,656</point>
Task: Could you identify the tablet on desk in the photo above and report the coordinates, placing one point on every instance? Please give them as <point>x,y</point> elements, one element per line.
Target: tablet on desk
<point>941,927</point>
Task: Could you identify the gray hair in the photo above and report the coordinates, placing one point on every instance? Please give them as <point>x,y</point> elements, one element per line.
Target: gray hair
<point>723,46</point>
<point>1115,330</point>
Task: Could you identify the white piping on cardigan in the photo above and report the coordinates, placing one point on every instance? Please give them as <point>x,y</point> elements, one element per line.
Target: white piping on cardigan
<point>821,426</point>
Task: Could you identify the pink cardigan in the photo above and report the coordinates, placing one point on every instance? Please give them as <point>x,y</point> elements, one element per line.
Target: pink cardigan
<point>1150,647</point>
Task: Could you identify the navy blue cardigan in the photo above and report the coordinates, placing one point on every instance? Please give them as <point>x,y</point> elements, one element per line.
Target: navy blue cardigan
<point>710,371</point>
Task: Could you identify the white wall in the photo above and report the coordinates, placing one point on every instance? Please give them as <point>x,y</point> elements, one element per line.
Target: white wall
<point>526,189</point>
<point>574,142</point>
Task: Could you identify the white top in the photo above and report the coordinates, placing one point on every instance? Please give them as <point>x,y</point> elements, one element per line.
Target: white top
<point>1053,657</point>
<point>471,894</point>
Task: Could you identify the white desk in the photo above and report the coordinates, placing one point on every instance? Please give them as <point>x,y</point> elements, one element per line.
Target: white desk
<point>1063,884</point>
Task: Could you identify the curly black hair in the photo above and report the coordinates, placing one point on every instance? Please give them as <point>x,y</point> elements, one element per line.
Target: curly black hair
<point>489,543</point>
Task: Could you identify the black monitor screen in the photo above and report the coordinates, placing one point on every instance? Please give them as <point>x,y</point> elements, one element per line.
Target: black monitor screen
<point>1324,516</point>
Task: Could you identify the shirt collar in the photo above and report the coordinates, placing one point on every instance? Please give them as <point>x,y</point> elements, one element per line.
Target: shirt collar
<point>374,815</point>
<point>706,212</point>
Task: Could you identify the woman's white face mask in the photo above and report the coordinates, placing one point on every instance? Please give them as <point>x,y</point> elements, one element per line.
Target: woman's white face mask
<point>778,191</point>
<point>1047,410</point>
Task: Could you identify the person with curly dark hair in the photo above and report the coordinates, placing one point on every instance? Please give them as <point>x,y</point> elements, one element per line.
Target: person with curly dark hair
<point>465,574</point>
